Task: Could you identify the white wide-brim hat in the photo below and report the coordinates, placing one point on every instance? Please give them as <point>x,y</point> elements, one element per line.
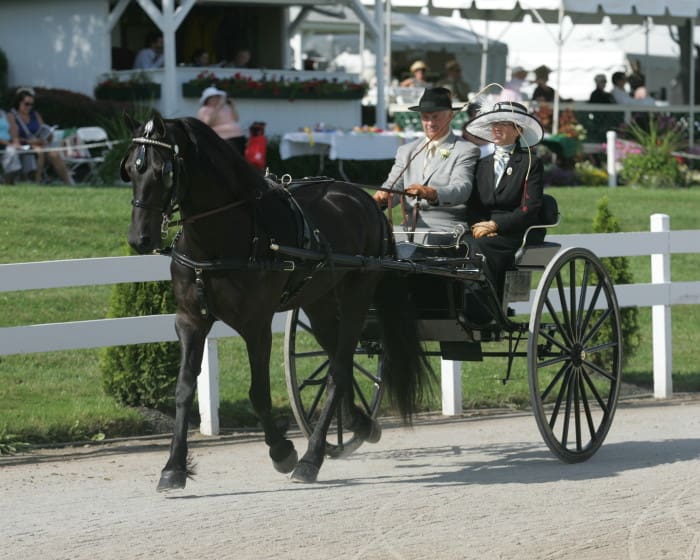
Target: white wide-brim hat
<point>531,131</point>
<point>211,91</point>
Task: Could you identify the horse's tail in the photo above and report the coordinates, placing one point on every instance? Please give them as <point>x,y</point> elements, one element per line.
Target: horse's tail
<point>406,373</point>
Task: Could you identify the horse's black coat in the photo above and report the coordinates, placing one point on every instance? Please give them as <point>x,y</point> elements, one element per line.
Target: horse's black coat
<point>231,214</point>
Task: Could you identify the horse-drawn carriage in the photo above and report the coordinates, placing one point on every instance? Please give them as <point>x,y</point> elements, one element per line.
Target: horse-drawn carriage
<point>572,335</point>
<point>247,249</point>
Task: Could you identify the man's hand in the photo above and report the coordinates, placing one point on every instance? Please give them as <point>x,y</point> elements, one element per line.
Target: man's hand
<point>382,198</point>
<point>422,191</point>
<point>484,229</point>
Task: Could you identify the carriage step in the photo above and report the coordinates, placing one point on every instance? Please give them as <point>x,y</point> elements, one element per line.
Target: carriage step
<point>461,351</point>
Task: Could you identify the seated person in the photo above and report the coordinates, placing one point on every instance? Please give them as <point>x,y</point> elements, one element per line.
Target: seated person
<point>419,69</point>
<point>151,56</point>
<point>33,132</point>
<point>436,172</point>
<point>507,195</point>
<point>9,142</point>
<point>454,82</point>
<point>221,115</point>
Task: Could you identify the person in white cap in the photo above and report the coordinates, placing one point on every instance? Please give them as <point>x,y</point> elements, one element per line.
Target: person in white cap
<point>512,89</point>
<point>220,113</point>
<point>419,71</point>
<point>508,185</point>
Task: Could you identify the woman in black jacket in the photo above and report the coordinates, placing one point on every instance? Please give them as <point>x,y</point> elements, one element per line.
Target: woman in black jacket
<point>507,194</point>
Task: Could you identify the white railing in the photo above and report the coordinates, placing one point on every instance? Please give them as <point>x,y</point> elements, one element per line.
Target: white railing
<point>660,294</point>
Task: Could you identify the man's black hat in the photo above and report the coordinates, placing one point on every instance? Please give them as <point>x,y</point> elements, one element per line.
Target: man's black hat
<point>435,99</point>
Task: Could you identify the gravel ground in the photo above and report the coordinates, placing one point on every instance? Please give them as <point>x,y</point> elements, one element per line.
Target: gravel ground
<point>479,487</point>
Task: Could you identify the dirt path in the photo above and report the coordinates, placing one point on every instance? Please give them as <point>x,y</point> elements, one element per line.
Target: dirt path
<point>477,488</point>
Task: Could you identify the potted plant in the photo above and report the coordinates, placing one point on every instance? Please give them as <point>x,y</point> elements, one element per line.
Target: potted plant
<point>139,86</point>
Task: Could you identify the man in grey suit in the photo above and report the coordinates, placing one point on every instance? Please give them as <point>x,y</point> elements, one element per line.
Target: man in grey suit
<point>436,172</point>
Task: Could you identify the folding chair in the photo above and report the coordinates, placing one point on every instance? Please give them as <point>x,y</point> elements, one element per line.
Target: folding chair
<point>87,148</point>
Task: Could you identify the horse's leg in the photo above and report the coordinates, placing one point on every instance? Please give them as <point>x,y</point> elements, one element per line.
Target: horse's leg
<point>259,343</point>
<point>192,335</point>
<point>354,302</point>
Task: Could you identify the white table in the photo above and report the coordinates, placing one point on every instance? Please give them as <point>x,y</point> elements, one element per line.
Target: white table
<point>344,145</point>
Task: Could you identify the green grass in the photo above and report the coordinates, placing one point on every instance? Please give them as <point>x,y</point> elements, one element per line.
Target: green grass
<point>58,396</point>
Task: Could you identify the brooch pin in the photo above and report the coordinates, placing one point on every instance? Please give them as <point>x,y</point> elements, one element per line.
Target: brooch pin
<point>509,171</point>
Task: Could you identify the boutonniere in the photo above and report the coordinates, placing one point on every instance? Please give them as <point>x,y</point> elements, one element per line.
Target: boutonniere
<point>444,154</point>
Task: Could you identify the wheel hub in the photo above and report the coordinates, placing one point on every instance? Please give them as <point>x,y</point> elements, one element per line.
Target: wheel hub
<point>578,354</point>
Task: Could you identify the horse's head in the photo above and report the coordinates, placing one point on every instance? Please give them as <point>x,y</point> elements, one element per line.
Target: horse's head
<point>150,165</point>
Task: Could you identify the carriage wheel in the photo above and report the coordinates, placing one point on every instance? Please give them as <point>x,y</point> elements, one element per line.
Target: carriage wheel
<point>574,354</point>
<point>306,372</point>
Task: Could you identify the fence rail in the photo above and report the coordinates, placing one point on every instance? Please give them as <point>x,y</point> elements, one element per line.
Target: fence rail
<point>660,294</point>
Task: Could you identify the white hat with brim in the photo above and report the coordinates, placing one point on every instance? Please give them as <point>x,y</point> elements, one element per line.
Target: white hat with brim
<point>531,131</point>
<point>211,91</point>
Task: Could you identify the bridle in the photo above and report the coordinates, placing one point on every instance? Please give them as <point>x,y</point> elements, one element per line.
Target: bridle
<point>171,175</point>
<point>170,203</point>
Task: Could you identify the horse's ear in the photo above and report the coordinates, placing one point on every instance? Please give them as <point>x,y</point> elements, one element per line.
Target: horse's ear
<point>158,123</point>
<point>131,123</point>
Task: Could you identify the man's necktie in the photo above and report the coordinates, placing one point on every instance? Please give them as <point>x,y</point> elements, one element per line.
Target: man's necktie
<point>500,160</point>
<point>429,154</point>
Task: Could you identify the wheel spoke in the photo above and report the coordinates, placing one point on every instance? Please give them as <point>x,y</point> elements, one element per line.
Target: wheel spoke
<point>311,379</point>
<point>550,338</point>
<point>302,325</point>
<point>567,410</point>
<point>555,318</point>
<point>586,406</point>
<point>310,354</point>
<point>597,326</point>
<point>594,390</point>
<point>582,299</point>
<point>560,396</point>
<point>564,306</point>
<point>368,374</point>
<point>591,307</point>
<point>361,396</point>
<point>553,382</point>
<point>572,296</point>
<point>317,399</point>
<point>601,371</point>
<point>577,411</point>
<point>557,360</point>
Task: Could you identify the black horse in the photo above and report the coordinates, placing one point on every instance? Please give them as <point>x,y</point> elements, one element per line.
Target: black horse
<point>223,268</point>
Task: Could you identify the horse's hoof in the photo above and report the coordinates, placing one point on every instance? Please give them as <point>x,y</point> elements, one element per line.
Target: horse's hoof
<point>305,472</point>
<point>172,480</point>
<point>375,433</point>
<point>286,465</point>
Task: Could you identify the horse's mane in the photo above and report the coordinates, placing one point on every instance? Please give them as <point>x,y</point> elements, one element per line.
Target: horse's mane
<point>221,161</point>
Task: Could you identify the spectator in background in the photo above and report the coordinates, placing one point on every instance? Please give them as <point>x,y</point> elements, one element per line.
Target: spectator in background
<point>200,57</point>
<point>151,56</point>
<point>221,115</point>
<point>618,92</point>
<point>453,81</point>
<point>241,58</point>
<point>599,95</point>
<point>33,132</point>
<point>9,141</point>
<point>543,92</point>
<point>512,89</point>
<point>419,70</point>
<point>638,89</point>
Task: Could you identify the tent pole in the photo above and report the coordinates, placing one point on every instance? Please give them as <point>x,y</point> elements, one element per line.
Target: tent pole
<point>380,110</point>
<point>560,46</point>
<point>691,73</point>
<point>484,56</point>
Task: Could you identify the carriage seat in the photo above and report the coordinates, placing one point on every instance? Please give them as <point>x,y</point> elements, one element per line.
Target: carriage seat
<point>535,252</point>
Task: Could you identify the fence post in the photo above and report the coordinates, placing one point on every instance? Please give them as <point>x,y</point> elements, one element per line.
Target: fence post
<point>611,138</point>
<point>451,385</point>
<point>661,314</point>
<point>208,389</point>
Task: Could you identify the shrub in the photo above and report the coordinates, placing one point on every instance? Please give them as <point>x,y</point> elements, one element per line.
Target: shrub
<point>141,374</point>
<point>619,270</point>
<point>655,166</point>
<point>590,175</point>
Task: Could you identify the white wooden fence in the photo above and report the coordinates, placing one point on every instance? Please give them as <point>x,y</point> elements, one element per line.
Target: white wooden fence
<point>660,294</point>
